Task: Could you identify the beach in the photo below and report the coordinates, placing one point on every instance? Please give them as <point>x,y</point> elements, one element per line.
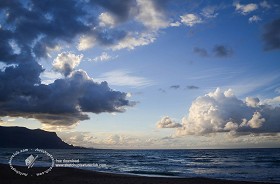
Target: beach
<point>72,175</point>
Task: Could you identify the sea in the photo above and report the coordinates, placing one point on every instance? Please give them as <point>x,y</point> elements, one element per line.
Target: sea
<point>233,164</point>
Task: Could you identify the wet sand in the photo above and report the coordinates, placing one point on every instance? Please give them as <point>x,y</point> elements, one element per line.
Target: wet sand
<point>78,176</point>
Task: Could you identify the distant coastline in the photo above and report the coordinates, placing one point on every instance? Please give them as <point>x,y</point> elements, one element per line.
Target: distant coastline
<point>21,137</point>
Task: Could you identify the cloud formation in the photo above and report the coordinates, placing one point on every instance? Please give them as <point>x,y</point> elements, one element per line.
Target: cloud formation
<point>222,51</point>
<point>254,18</point>
<point>209,12</point>
<point>190,19</point>
<point>221,111</point>
<point>65,62</point>
<point>103,57</point>
<point>271,35</point>
<point>167,122</point>
<point>245,9</point>
<point>191,87</point>
<point>151,15</point>
<point>28,32</point>
<point>63,102</point>
<point>175,87</point>
<point>106,19</point>
<point>265,4</point>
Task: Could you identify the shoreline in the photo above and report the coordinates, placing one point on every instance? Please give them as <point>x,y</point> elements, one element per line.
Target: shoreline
<point>64,175</point>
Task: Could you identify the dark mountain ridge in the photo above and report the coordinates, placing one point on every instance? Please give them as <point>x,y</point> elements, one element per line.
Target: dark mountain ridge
<point>21,137</point>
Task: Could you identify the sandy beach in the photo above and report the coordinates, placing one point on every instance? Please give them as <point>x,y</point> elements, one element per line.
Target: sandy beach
<point>72,175</point>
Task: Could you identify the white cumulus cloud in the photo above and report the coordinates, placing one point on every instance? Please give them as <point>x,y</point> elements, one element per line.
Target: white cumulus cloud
<point>167,122</point>
<point>256,121</point>
<point>222,111</point>
<point>252,102</point>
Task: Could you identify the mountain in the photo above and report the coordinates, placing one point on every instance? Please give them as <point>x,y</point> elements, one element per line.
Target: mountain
<point>21,137</point>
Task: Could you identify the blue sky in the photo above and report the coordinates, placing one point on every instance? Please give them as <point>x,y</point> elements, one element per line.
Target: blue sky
<point>187,74</point>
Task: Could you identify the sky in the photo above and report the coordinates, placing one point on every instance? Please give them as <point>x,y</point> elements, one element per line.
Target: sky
<point>143,74</point>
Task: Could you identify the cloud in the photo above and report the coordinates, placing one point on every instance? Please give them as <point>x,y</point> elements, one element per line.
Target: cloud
<point>103,57</point>
<point>245,9</point>
<point>175,87</point>
<point>221,112</point>
<point>201,52</point>
<point>192,87</point>
<point>61,103</point>
<point>65,62</point>
<point>167,122</point>
<point>84,139</point>
<point>252,102</point>
<point>29,32</point>
<point>133,40</point>
<point>122,10</point>
<point>254,18</point>
<point>126,141</point>
<point>124,78</point>
<point>106,19</point>
<point>274,101</point>
<point>222,51</point>
<point>114,30</point>
<point>175,24</point>
<point>190,19</point>
<point>150,15</point>
<point>209,12</point>
<point>264,4</point>
<point>86,42</point>
<point>256,121</point>
<point>44,34</point>
<point>271,35</point>
<point>218,51</point>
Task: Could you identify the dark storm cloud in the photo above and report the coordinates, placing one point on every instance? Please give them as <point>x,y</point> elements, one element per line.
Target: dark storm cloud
<point>60,103</point>
<point>45,23</point>
<point>28,29</point>
<point>175,87</point>
<point>31,26</point>
<point>200,51</point>
<point>222,51</point>
<point>271,35</point>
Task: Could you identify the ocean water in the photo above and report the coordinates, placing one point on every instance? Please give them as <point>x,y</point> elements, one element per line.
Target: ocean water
<point>236,164</point>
